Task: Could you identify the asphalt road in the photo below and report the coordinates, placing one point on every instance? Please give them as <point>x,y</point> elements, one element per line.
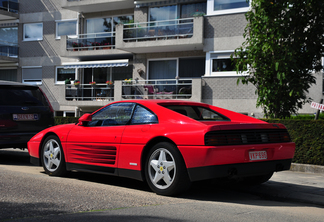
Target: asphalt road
<point>28,194</point>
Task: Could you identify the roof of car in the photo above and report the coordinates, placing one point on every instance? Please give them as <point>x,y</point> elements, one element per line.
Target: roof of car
<point>11,83</point>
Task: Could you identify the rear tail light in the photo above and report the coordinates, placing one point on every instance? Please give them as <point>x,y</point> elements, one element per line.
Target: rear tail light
<point>48,102</point>
<point>223,138</point>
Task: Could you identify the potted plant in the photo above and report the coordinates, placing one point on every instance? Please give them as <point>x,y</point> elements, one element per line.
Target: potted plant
<point>128,81</point>
<point>75,45</point>
<point>109,83</point>
<point>93,83</point>
<point>106,45</point>
<point>76,82</point>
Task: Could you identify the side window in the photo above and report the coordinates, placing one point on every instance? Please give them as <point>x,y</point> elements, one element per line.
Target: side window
<point>115,114</point>
<point>143,116</point>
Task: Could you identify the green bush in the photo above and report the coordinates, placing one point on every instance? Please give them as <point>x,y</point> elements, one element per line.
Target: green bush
<point>309,138</point>
<point>64,120</point>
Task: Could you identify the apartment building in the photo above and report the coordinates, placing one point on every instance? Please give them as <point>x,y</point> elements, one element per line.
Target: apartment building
<point>86,53</point>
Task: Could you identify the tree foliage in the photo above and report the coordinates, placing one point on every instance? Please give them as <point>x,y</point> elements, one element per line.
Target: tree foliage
<point>282,48</point>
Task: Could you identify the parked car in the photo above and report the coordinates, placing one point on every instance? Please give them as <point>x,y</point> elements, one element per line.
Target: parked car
<point>167,143</point>
<point>24,111</point>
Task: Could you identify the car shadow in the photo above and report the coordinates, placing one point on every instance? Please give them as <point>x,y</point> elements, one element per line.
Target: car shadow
<point>214,190</point>
<point>15,157</point>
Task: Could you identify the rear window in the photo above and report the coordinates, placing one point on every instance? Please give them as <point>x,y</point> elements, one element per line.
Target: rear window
<point>199,113</point>
<point>20,96</point>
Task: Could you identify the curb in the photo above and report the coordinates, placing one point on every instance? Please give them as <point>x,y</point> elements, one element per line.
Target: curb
<point>306,168</point>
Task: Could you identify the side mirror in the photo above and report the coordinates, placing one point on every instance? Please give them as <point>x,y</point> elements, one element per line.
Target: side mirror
<point>84,119</point>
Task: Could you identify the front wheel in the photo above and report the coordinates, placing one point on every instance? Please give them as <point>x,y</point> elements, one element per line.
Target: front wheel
<point>165,171</point>
<point>52,157</point>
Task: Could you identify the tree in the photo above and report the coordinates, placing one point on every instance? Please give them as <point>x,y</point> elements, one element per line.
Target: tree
<point>283,47</point>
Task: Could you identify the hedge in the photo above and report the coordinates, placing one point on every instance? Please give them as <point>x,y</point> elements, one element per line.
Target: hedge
<point>309,138</point>
<point>64,120</point>
<point>307,134</point>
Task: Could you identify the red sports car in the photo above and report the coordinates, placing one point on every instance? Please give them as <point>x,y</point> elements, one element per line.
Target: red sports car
<point>167,143</point>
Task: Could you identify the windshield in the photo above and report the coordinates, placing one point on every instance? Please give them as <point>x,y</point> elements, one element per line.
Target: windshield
<point>21,96</point>
<point>198,112</point>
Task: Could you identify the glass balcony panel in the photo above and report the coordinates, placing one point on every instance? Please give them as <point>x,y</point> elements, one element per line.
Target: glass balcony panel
<point>9,5</point>
<point>91,41</point>
<point>179,28</point>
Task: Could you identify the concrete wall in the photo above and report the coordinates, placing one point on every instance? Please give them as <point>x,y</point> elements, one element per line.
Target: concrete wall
<point>224,32</point>
<point>47,52</point>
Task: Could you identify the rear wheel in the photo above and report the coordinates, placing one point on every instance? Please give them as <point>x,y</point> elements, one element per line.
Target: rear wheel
<point>52,157</point>
<point>165,171</point>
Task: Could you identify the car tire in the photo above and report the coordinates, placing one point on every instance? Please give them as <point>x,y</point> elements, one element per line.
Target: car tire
<point>165,170</point>
<point>52,157</point>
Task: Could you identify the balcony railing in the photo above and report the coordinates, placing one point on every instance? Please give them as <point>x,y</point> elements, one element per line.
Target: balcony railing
<point>8,49</point>
<point>91,41</point>
<point>158,30</point>
<point>88,92</point>
<point>131,89</point>
<point>10,6</point>
<point>157,89</point>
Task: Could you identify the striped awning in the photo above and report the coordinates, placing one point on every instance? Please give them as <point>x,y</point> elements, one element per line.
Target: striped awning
<point>96,64</point>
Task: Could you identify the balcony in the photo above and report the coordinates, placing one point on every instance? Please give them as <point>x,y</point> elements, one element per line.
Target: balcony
<point>9,9</point>
<point>91,44</point>
<point>88,6</point>
<point>161,36</point>
<point>100,94</point>
<point>8,52</point>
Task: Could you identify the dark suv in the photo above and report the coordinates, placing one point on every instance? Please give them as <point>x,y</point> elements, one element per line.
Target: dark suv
<point>24,111</point>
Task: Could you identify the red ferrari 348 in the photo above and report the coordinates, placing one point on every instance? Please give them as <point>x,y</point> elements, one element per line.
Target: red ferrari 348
<point>167,143</point>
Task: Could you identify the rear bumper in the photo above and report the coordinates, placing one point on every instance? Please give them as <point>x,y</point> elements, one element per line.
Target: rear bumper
<point>240,169</point>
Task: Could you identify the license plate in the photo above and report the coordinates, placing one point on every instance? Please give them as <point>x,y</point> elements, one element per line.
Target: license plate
<point>25,117</point>
<point>258,155</point>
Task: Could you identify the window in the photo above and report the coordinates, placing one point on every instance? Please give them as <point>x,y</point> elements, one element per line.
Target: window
<point>191,67</point>
<point>33,32</point>
<point>8,74</point>
<point>163,13</point>
<point>163,69</point>
<point>215,7</point>
<point>97,25</point>
<point>66,28</point>
<point>115,114</point>
<point>197,112</point>
<point>9,35</point>
<point>194,9</point>
<point>32,75</point>
<point>220,64</point>
<point>181,67</point>
<point>143,116</point>
<point>63,74</point>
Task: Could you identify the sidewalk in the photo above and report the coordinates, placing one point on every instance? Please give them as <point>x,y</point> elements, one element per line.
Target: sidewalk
<point>303,183</point>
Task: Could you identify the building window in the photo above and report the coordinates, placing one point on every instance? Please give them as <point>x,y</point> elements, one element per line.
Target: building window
<point>172,12</point>
<point>192,10</point>
<point>99,25</point>
<point>217,7</point>
<point>63,74</point>
<point>8,74</point>
<point>9,35</point>
<point>33,32</point>
<point>66,28</point>
<point>32,75</point>
<point>178,67</point>
<point>220,64</point>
